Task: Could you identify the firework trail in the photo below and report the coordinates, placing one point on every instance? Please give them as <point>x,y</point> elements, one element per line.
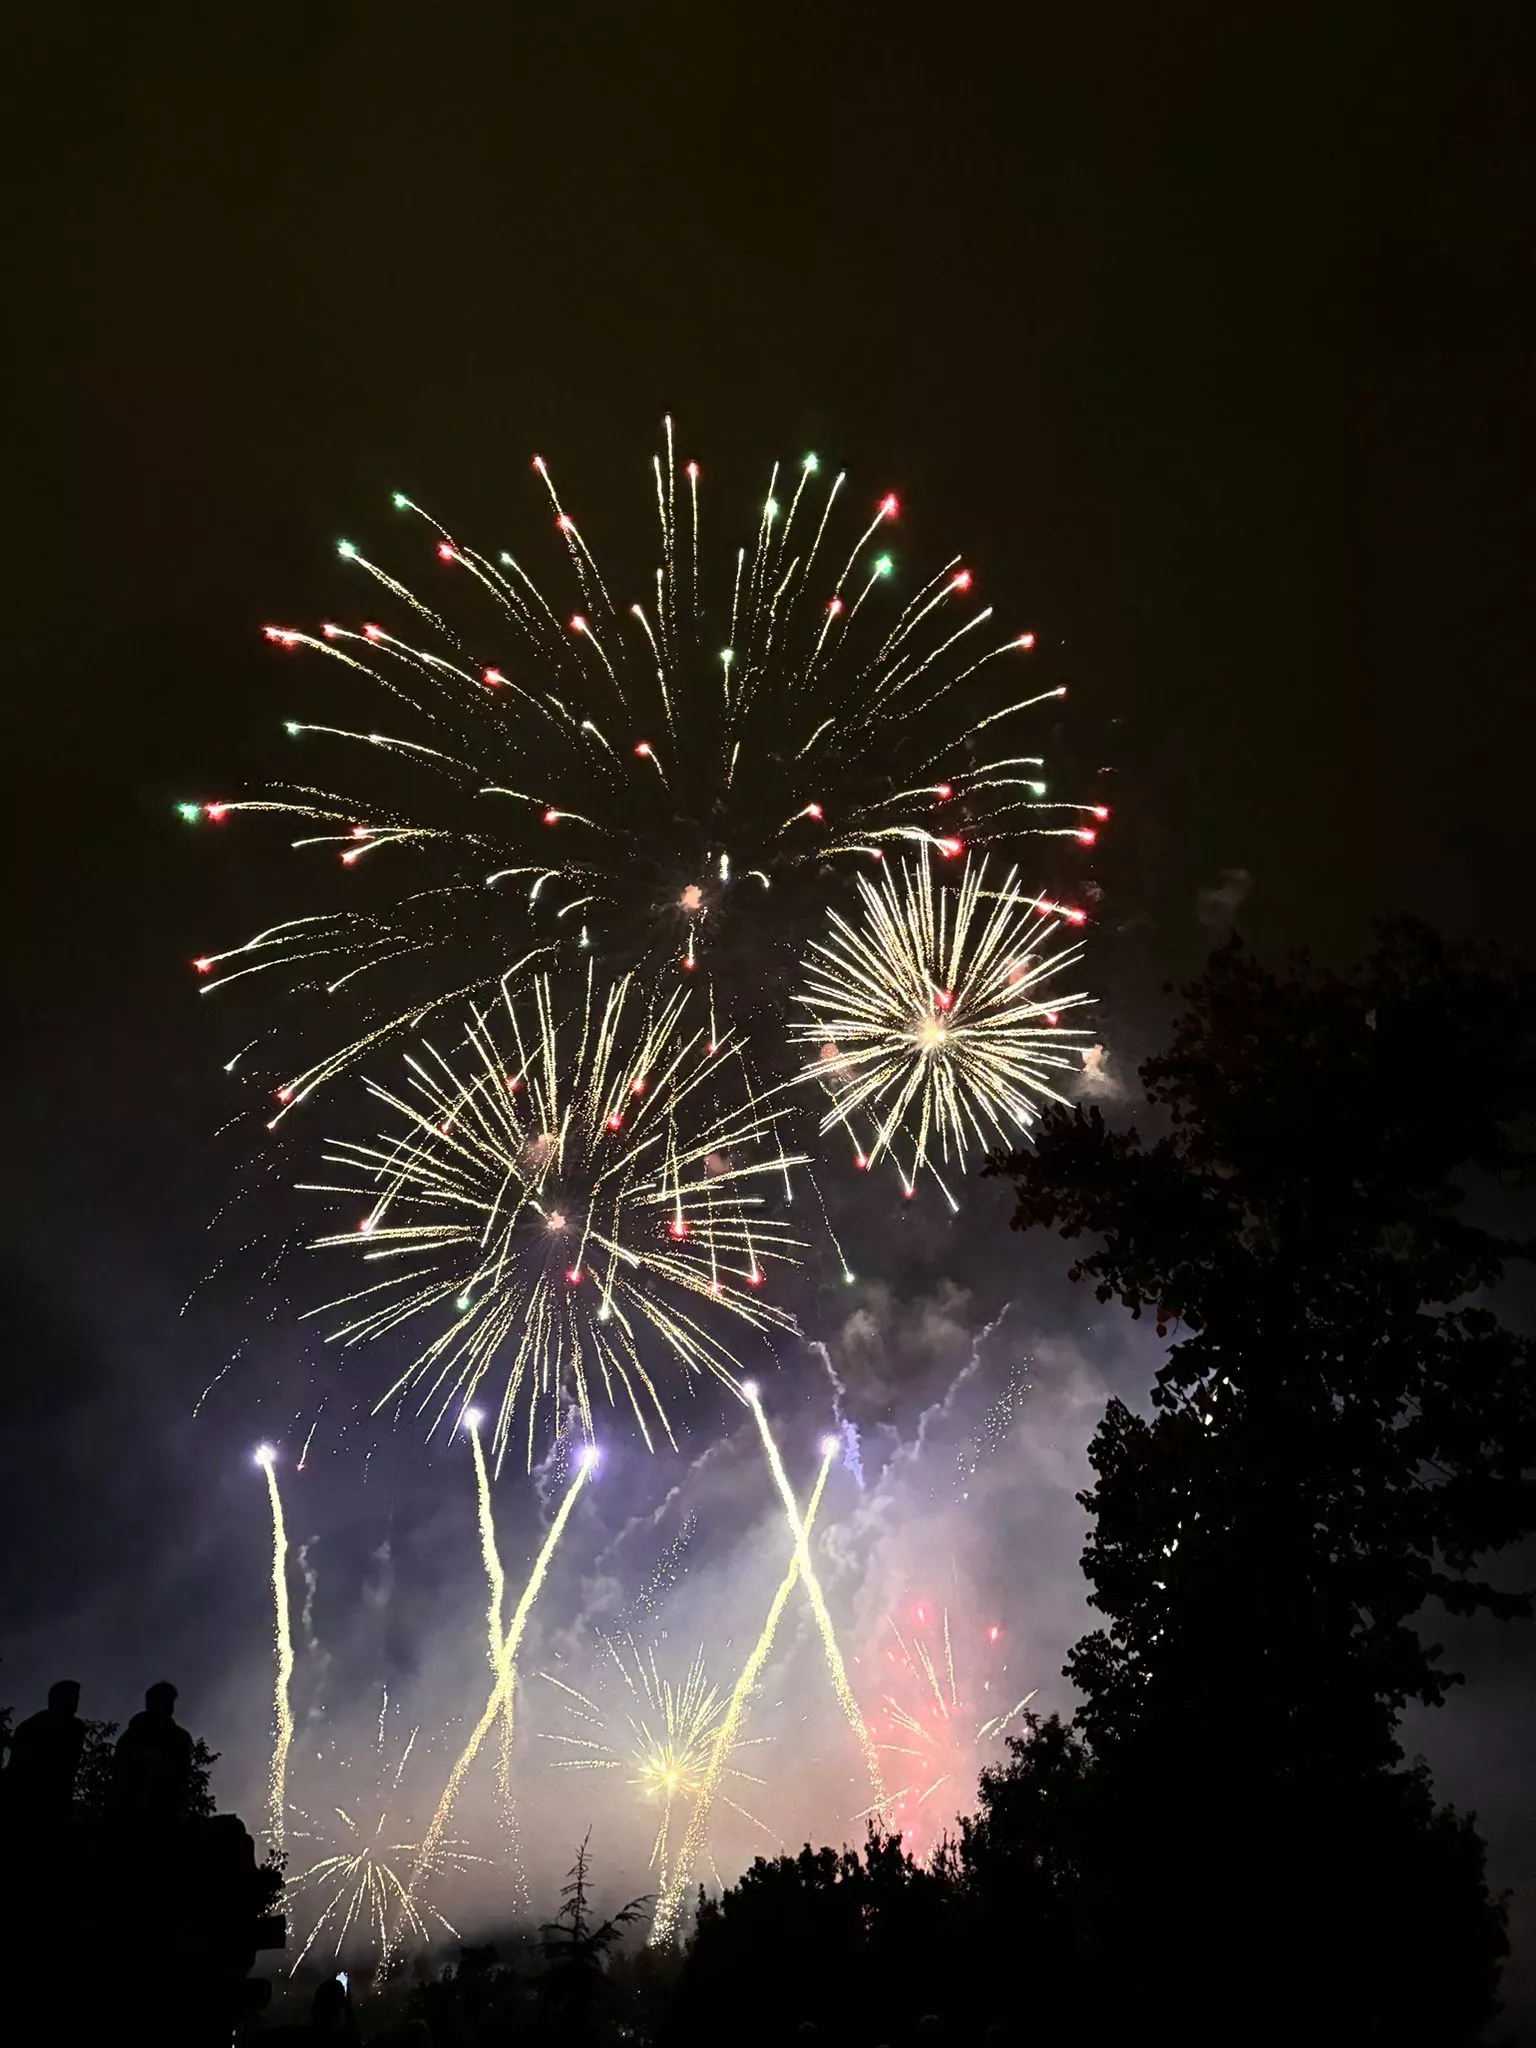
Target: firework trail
<point>282,1635</point>
<point>506,1667</point>
<point>934,1022</point>
<point>669,1911</point>
<point>647,776</point>
<point>933,1725</point>
<point>553,1188</point>
<point>355,1881</point>
<point>662,1734</point>
<point>497,1585</point>
<point>835,1666</point>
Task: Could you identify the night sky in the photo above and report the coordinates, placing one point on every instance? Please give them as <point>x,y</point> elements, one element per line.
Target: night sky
<point>1201,330</point>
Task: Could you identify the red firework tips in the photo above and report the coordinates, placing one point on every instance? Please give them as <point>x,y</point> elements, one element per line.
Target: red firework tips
<point>284,1094</point>
<point>889,507</point>
<point>907,1194</point>
<point>366,1226</point>
<point>692,472</point>
<point>347,859</point>
<point>373,632</point>
<point>944,1000</point>
<point>1101,812</point>
<point>1076,916</point>
<point>689,965</point>
<point>574,1276</point>
<point>1086,836</point>
<point>637,1087</point>
<point>330,632</point>
<point>578,623</point>
<point>565,522</point>
<point>217,812</point>
<point>538,463</point>
<point>945,789</point>
<point>813,811</point>
<point>203,965</point>
<point>716,1289</point>
<point>492,677</point>
<point>643,750</point>
<point>754,1279</point>
<point>1053,1017</point>
<point>514,1082</point>
<point>445,553</point>
<point>615,1122</point>
<point>677,1228</point>
<point>551,817</point>
<point>962,581</point>
<point>993,1633</point>
<point>834,606</point>
<point>950,847</point>
<point>1026,641</point>
<point>361,832</point>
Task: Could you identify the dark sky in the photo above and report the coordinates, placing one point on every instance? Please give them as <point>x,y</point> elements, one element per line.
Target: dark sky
<point>1201,328</point>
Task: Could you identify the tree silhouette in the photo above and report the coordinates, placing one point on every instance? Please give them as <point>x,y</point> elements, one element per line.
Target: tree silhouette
<point>575,1996</point>
<point>1342,1431</point>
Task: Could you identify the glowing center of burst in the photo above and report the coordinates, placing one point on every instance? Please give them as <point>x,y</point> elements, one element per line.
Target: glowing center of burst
<point>692,898</point>
<point>557,1219</point>
<point>931,1032</point>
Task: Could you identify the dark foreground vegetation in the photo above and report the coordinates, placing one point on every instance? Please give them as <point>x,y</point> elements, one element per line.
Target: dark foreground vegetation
<point>1319,1208</point>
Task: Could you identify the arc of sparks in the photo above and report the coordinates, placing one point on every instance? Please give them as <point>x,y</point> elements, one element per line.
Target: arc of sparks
<point>282,1635</point>
<point>669,1911</point>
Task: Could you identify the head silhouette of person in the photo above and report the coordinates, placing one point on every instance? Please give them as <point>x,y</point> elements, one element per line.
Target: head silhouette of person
<point>160,1701</point>
<point>328,2009</point>
<point>64,1697</point>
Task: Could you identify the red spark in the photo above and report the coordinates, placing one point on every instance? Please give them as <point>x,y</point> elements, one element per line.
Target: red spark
<point>813,810</point>
<point>1101,812</point>
<point>573,1274</point>
<point>692,472</point>
<point>578,623</point>
<point>551,817</point>
<point>444,551</point>
<point>945,789</point>
<point>216,812</point>
<point>1026,641</point>
<point>962,581</point>
<point>889,507</point>
<point>950,847</point>
<point>637,1086</point>
<point>203,965</point>
<point>373,632</point>
<point>643,749</point>
<point>1086,836</point>
<point>677,1227</point>
<point>492,677</point>
<point>615,1122</point>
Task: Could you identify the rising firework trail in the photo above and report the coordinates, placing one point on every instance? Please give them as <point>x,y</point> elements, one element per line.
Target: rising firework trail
<point>835,1666</point>
<point>506,1668</point>
<point>676,764</point>
<point>660,1734</point>
<point>558,1184</point>
<point>935,1017</point>
<point>282,1636</point>
<point>496,1583</point>
<point>669,1911</point>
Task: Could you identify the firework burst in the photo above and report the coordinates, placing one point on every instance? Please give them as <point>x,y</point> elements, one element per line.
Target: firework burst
<point>354,1889</point>
<point>937,1722</point>
<point>935,1028</point>
<point>557,1188</point>
<point>660,1732</point>
<point>498,771</point>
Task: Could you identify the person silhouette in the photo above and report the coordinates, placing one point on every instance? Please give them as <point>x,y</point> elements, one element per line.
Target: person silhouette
<point>331,2011</point>
<point>45,1754</point>
<point>152,1765</point>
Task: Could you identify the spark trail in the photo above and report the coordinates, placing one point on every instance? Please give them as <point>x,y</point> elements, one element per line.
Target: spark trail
<point>669,1911</point>
<point>506,1666</point>
<point>496,1582</point>
<point>835,1666</point>
<point>282,1634</point>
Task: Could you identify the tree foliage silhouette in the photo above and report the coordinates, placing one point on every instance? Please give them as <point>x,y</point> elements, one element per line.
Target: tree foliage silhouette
<point>1342,1431</point>
<point>574,1992</point>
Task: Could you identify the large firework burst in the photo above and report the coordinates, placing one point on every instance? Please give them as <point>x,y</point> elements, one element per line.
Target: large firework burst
<point>659,1731</point>
<point>565,1194</point>
<point>941,1716</point>
<point>643,774</point>
<point>935,1016</point>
